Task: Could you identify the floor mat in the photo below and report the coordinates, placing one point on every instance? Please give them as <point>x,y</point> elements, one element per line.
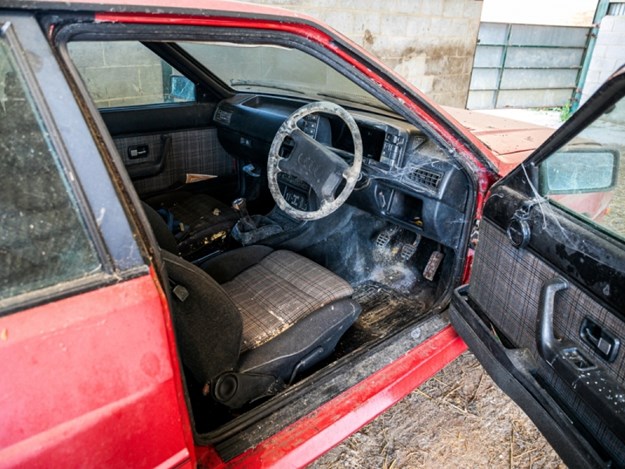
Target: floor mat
<point>384,311</point>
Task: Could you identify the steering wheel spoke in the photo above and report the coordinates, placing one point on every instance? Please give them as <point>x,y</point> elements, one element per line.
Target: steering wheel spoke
<point>314,163</point>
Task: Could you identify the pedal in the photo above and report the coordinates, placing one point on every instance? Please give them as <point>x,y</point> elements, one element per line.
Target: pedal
<point>432,266</point>
<point>408,249</point>
<point>384,237</point>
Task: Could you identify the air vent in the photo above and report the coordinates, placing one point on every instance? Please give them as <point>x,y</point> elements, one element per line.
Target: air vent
<point>223,115</point>
<point>424,177</point>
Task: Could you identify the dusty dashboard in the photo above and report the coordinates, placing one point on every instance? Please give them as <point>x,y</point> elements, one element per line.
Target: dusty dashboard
<point>405,178</point>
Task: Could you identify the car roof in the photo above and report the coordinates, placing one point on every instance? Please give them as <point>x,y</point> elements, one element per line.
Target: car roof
<point>197,7</point>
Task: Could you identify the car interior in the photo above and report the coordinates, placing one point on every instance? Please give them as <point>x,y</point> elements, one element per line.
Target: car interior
<point>303,217</point>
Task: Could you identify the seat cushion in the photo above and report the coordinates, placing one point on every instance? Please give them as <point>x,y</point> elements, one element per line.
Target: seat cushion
<point>207,221</point>
<point>315,336</point>
<point>190,208</point>
<point>202,207</point>
<point>282,289</point>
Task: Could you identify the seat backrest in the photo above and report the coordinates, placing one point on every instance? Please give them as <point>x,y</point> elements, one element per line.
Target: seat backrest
<point>164,237</point>
<point>207,323</point>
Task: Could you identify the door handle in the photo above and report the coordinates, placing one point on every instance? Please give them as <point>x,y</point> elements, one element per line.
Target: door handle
<point>595,387</point>
<point>145,169</point>
<point>138,151</point>
<point>548,345</point>
<point>600,340</point>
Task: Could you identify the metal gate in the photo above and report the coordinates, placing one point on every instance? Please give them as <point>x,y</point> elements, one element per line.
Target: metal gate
<point>526,66</point>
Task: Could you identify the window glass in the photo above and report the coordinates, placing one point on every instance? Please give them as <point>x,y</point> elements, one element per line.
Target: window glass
<point>263,68</point>
<point>587,175</point>
<point>43,240</point>
<point>126,73</point>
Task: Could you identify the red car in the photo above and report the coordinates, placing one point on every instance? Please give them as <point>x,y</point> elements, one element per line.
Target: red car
<point>148,320</point>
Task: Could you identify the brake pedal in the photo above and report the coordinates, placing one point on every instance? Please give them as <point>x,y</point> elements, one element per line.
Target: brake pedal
<point>408,249</point>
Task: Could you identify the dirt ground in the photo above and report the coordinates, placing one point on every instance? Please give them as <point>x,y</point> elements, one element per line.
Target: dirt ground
<point>459,418</point>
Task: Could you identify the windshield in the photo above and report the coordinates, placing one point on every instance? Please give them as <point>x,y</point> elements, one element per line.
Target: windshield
<point>267,68</point>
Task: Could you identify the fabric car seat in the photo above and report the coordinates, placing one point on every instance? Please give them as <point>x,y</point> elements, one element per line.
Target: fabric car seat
<point>205,220</point>
<point>251,320</point>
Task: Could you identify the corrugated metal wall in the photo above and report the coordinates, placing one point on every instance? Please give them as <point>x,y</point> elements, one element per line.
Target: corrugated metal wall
<point>616,9</point>
<point>525,66</point>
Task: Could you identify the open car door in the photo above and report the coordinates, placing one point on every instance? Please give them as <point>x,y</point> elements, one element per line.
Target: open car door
<point>545,309</point>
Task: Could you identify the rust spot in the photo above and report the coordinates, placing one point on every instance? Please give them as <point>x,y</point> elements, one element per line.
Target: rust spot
<point>4,335</point>
<point>368,38</point>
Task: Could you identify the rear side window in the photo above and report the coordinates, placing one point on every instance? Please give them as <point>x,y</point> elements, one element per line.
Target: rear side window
<point>126,73</point>
<point>43,240</point>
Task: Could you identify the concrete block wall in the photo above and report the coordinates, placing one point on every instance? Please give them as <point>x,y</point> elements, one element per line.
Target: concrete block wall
<point>608,55</point>
<point>429,42</point>
<point>127,71</point>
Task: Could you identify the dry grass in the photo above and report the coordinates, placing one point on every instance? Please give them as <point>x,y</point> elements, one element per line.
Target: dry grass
<point>459,418</point>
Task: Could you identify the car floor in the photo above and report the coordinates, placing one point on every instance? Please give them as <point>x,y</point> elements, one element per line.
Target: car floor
<point>388,283</point>
<point>384,310</point>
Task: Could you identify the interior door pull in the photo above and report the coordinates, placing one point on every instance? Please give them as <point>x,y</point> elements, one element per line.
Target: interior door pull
<point>590,383</point>
<point>600,340</point>
<point>151,167</point>
<point>548,345</point>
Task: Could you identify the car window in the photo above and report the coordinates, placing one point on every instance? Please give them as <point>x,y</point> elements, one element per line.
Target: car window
<point>586,175</point>
<point>43,240</point>
<point>126,73</point>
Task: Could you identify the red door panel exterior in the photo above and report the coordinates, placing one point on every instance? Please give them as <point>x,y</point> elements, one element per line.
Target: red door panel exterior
<point>118,401</point>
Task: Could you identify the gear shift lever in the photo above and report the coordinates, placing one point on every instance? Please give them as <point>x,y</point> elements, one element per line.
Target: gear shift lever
<point>250,230</point>
<point>240,206</point>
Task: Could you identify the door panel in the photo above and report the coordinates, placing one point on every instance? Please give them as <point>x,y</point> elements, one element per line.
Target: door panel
<point>161,135</point>
<point>574,405</point>
<point>160,161</point>
<point>545,309</point>
<point>90,370</point>
<point>516,302</point>
<point>509,283</point>
<point>90,382</point>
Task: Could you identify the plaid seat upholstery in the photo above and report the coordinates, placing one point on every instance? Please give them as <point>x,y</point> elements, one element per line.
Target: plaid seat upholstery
<point>193,209</point>
<point>207,220</point>
<point>202,207</point>
<point>282,289</point>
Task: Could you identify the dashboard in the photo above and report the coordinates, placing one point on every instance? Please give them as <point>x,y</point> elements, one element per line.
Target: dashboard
<point>406,177</point>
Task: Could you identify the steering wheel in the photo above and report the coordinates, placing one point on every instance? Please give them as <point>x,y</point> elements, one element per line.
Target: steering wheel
<point>314,163</point>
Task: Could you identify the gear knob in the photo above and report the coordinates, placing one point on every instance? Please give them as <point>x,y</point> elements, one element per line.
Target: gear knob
<point>246,222</point>
<point>240,206</point>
